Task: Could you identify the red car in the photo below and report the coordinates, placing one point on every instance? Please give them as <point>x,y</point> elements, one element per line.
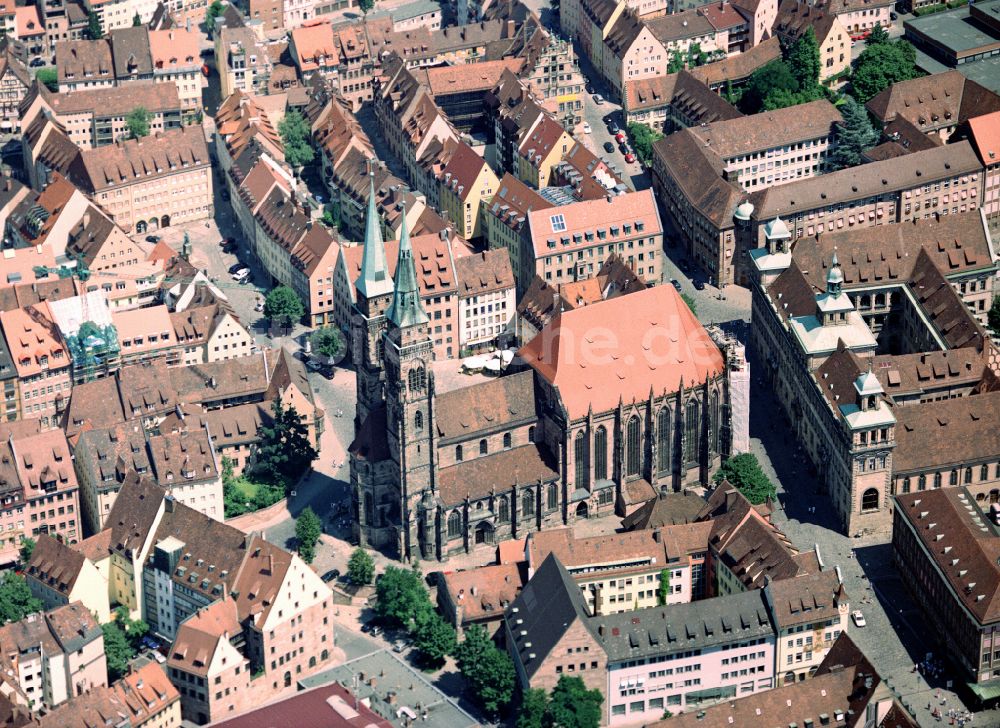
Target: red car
<point>620,137</point>
<point>630,157</point>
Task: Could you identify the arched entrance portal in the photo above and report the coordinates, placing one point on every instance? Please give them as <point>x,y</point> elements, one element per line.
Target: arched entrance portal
<point>581,509</point>
<point>165,221</point>
<point>484,533</point>
<point>140,227</point>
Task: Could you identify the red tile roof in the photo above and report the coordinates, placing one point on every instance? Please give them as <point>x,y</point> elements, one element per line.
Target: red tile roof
<point>623,348</point>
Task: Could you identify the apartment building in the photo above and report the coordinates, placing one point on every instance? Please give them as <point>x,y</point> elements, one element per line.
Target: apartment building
<point>146,334</point>
<point>542,148</point>
<point>14,84</point>
<point>84,64</point>
<point>570,242</point>
<point>54,656</point>
<point>466,182</point>
<point>942,540</point>
<point>984,134</point>
<point>505,219</point>
<point>676,101</point>
<point>177,60</point>
<point>833,38</point>
<point>706,652</point>
<point>247,64</point>
<point>552,75</point>
<point>810,612</point>
<point>487,303</point>
<point>860,17</point>
<point>9,382</point>
<point>480,596</point>
<point>119,14</point>
<point>59,574</point>
<point>210,333</point>
<point>41,360</point>
<point>96,117</point>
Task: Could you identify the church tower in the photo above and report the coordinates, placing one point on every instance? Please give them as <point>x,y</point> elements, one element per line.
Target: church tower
<point>409,385</point>
<point>374,295</point>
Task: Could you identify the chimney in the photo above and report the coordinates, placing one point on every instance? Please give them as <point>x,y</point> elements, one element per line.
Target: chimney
<point>657,536</point>
<point>168,503</point>
<point>270,564</point>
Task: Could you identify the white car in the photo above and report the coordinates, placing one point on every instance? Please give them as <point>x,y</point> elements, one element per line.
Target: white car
<point>586,128</point>
<point>859,618</point>
<point>241,275</point>
<point>598,99</point>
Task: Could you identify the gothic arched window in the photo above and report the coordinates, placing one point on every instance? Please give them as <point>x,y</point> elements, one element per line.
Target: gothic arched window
<point>663,440</point>
<point>691,432</point>
<point>454,524</point>
<point>506,441</point>
<point>601,453</point>
<point>580,460</point>
<point>869,500</point>
<point>714,438</point>
<point>416,379</point>
<point>503,509</point>
<point>458,453</point>
<point>528,503</point>
<point>634,446</point>
<point>482,447</point>
<point>553,496</point>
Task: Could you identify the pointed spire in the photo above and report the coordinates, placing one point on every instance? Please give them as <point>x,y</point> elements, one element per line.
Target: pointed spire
<point>406,308</point>
<point>374,279</point>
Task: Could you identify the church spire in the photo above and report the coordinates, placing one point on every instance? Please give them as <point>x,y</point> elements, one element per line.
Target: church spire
<point>406,309</point>
<point>374,279</point>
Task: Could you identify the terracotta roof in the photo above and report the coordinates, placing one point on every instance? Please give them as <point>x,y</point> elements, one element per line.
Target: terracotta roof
<point>480,476</point>
<point>97,547</point>
<point>137,327</point>
<point>480,408</point>
<point>769,129</point>
<point>32,335</point>
<point>55,564</point>
<point>626,30</point>
<point>947,434</point>
<point>117,100</point>
<point>514,200</point>
<point>28,24</point>
<point>140,160</point>
<point>792,293</point>
<point>836,376</point>
<point>466,77</point>
<point>866,180</point>
<point>199,636</point>
<point>934,102</point>
<point>722,16</point>
<point>433,264</point>
<point>146,692</point>
<point>133,513</point>
<point>462,171</point>
<point>630,367</point>
<point>985,136</point>
<point>942,305</point>
<point>913,374</point>
<point>485,592</point>
<point>959,538</point>
<point>174,49</point>
<point>484,272</point>
<point>542,140</point>
<point>741,66</point>
<point>795,18</point>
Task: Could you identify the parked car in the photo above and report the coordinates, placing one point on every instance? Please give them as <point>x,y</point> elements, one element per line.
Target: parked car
<point>629,157</point>
<point>399,645</point>
<point>675,283</point>
<point>623,148</point>
<point>314,365</point>
<point>259,306</point>
<point>598,99</point>
<point>699,285</point>
<point>620,137</point>
<point>859,618</point>
<point>589,87</point>
<point>609,147</point>
<point>613,127</point>
<point>237,266</point>
<point>37,62</point>
<point>152,238</point>
<point>893,16</point>
<point>586,128</point>
<point>331,575</point>
<point>241,275</point>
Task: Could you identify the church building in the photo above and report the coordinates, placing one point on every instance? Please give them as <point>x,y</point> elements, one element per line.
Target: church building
<point>608,405</point>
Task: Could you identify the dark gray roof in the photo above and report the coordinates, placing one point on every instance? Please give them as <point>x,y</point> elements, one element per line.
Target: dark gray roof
<point>696,625</point>
<point>545,610</point>
<point>7,370</point>
<point>130,50</point>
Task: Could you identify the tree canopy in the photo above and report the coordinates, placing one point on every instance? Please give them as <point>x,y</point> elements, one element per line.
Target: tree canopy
<point>136,20</point>
<point>285,450</point>
<point>790,81</point>
<point>663,591</point>
<point>295,136</point>
<point>993,317</point>
<point>214,10</point>
<point>877,35</point>
<point>488,671</point>
<point>27,549</point>
<point>642,140</point>
<point>434,637</point>
<point>854,135</point>
<point>365,6</point>
<point>308,528</point>
<point>743,471</point>
<point>137,122</point>
<point>16,600</point>
<point>400,594</point>
<point>283,306</point>
<point>572,705</point>
<point>48,77</point>
<point>122,641</point>
<point>803,60</point>
<point>881,65</point>
<point>531,713</point>
<point>94,31</point>
<point>360,567</point>
<point>329,342</point>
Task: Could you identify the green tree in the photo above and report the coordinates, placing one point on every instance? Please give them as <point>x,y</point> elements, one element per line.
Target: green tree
<point>136,20</point>
<point>295,136</point>
<point>49,77</point>
<point>331,214</point>
<point>434,637</point>
<point>663,592</point>
<point>283,306</point>
<point>854,135</point>
<point>16,600</point>
<point>137,122</point>
<point>329,342</point>
<point>691,303</point>
<point>572,705</point>
<point>93,30</point>
<point>122,641</point>
<point>642,140</point>
<point>696,56</point>
<point>765,80</point>
<point>308,528</point>
<point>27,549</point>
<point>877,36</point>
<point>993,317</point>
<point>214,10</point>
<point>879,66</point>
<point>803,60</point>
<point>399,595</point>
<point>676,62</point>
<point>360,567</point>
<point>487,670</point>
<point>284,450</point>
<point>744,472</point>
<point>533,710</point>
<point>365,6</point>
